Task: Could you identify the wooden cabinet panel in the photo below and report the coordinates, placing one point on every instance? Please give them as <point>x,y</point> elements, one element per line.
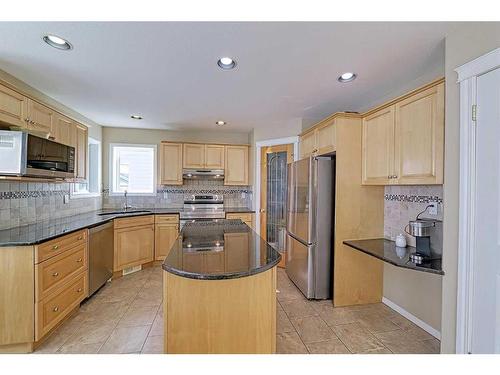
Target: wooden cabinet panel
<point>236,165</point>
<point>171,163</point>
<point>378,147</point>
<point>240,260</point>
<point>214,156</point>
<point>165,236</point>
<point>40,117</point>
<point>193,155</point>
<point>55,307</point>
<point>51,274</point>
<point>128,222</point>
<point>81,151</point>
<point>307,144</point>
<point>59,245</point>
<point>62,130</point>
<point>419,138</point>
<point>247,218</point>
<point>13,107</point>
<point>133,246</point>
<point>166,219</point>
<point>325,138</point>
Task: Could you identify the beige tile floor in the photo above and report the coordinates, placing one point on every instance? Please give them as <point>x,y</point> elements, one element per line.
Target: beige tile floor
<point>126,316</point>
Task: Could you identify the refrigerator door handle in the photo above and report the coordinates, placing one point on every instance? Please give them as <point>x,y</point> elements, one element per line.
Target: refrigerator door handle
<point>305,243</point>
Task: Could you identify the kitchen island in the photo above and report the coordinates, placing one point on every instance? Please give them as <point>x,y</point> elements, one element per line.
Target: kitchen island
<point>219,290</point>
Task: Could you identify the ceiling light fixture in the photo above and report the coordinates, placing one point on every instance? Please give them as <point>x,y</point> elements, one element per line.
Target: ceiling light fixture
<point>220,123</point>
<point>226,63</point>
<point>136,117</point>
<point>347,77</point>
<point>57,42</point>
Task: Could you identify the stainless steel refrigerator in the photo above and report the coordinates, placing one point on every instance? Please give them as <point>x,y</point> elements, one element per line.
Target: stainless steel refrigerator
<point>310,207</point>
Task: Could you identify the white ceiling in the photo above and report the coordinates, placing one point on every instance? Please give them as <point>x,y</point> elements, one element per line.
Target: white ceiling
<point>167,71</point>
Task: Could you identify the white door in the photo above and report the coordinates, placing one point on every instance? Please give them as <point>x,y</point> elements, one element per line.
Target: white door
<point>486,261</point>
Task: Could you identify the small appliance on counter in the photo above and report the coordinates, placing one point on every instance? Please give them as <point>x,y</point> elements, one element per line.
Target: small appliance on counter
<point>422,230</point>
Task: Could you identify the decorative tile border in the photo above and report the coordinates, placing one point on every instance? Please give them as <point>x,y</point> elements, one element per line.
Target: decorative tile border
<point>413,198</point>
<point>32,194</point>
<point>199,190</point>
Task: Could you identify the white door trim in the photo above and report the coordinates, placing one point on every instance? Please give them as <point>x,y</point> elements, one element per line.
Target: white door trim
<point>256,188</point>
<point>467,77</point>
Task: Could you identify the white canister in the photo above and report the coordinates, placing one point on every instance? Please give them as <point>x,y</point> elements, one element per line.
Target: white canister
<point>400,240</point>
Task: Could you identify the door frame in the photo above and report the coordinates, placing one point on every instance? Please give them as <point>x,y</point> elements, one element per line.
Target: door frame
<point>467,78</point>
<point>256,188</point>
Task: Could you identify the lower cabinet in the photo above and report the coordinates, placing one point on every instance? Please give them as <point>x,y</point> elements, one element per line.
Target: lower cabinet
<point>166,232</point>
<point>246,217</point>
<point>134,242</point>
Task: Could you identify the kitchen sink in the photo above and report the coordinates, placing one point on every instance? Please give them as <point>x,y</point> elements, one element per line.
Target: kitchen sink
<point>122,212</point>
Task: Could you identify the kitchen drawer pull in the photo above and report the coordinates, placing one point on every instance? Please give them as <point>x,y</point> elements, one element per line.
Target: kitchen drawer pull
<point>79,260</point>
<point>55,274</point>
<point>55,309</point>
<point>80,238</point>
<point>55,247</point>
<point>79,290</point>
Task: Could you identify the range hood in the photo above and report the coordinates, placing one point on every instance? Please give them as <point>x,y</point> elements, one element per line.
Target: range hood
<point>208,174</point>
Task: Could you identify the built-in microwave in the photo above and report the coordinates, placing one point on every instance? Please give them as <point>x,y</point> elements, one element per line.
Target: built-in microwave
<point>24,154</point>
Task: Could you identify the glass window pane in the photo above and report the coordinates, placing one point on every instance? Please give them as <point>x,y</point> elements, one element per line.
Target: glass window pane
<point>134,169</point>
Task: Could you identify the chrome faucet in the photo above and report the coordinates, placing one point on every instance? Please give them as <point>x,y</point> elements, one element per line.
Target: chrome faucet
<point>126,205</point>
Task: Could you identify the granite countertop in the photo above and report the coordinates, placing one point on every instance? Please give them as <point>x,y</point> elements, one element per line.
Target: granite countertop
<point>36,233</point>
<point>225,249</point>
<point>387,251</point>
<point>237,210</point>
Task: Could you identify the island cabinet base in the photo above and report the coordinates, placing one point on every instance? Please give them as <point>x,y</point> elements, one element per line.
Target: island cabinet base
<point>220,316</point>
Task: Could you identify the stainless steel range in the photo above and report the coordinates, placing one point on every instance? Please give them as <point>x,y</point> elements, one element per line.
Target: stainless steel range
<point>202,207</point>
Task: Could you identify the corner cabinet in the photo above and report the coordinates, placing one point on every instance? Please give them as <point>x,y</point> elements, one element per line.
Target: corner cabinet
<point>81,146</point>
<point>236,165</point>
<point>319,141</point>
<point>403,143</point>
<point>171,163</point>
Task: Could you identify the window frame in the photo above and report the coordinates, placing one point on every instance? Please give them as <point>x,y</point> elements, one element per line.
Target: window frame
<point>111,167</point>
<point>76,195</point>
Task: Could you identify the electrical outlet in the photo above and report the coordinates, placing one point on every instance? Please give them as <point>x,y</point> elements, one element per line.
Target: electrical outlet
<point>433,208</point>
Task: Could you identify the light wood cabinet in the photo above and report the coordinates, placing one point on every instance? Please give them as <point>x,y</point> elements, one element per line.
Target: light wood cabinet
<point>236,165</point>
<point>134,242</point>
<point>40,118</point>
<point>378,147</point>
<point>13,107</point>
<point>166,232</point>
<point>193,155</point>
<point>318,141</point>
<point>81,151</point>
<point>214,156</point>
<point>171,163</point>
<point>403,142</point>
<point>63,130</point>
<point>246,217</point>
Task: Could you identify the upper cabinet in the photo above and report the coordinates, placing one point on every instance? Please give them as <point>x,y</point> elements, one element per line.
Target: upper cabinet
<point>197,155</point>
<point>236,165</point>
<point>63,130</point>
<point>13,107</point>
<point>81,152</point>
<point>40,118</point>
<point>318,141</point>
<point>403,143</point>
<point>171,163</point>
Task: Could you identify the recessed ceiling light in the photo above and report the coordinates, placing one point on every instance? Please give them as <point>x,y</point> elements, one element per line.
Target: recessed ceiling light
<point>226,63</point>
<point>347,77</point>
<point>220,123</point>
<point>136,117</point>
<point>57,42</point>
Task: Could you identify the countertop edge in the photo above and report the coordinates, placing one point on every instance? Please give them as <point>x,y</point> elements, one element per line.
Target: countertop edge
<point>197,276</point>
<point>415,268</point>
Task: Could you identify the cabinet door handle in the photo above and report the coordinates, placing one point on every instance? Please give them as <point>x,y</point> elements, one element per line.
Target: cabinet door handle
<point>79,290</point>
<point>55,274</point>
<point>55,309</point>
<point>55,247</point>
<point>79,260</point>
<point>80,238</point>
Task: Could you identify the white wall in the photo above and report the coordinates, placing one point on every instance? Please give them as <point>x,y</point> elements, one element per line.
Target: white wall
<point>464,42</point>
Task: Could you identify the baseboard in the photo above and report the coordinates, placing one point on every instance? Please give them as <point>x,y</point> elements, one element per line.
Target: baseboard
<point>434,332</point>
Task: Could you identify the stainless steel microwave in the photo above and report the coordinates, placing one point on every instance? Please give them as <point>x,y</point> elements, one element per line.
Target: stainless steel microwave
<point>23,154</point>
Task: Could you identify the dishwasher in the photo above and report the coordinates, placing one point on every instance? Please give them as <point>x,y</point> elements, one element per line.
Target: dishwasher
<point>101,245</point>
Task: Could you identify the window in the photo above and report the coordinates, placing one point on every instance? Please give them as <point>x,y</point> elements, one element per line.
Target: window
<point>133,169</point>
<point>93,184</point>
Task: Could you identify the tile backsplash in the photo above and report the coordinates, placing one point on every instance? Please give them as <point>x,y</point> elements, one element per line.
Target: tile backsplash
<point>24,203</point>
<point>173,196</point>
<point>404,203</point>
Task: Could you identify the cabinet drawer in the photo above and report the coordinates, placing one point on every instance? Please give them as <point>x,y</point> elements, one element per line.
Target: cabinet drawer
<point>56,271</point>
<point>57,305</point>
<point>134,221</point>
<point>163,219</point>
<point>242,217</point>
<point>59,245</point>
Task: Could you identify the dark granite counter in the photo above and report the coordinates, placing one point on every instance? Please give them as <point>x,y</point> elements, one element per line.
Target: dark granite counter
<point>238,210</point>
<point>225,249</point>
<point>387,251</point>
